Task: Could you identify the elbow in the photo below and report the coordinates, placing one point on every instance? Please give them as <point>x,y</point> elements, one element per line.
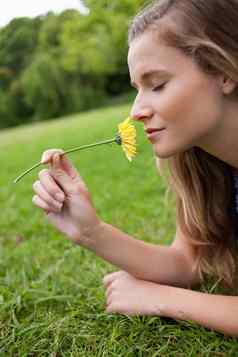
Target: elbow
<point>232,334</point>
<point>230,331</point>
<point>188,270</point>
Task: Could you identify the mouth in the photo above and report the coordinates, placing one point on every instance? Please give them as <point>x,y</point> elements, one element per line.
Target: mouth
<point>152,133</point>
<point>152,130</point>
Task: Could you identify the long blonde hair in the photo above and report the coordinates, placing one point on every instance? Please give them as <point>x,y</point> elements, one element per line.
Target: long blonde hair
<point>207,31</point>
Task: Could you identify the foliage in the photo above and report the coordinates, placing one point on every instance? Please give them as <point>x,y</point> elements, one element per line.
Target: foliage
<point>59,64</point>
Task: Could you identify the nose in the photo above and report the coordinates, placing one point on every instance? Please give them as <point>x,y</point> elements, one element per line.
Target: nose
<point>140,113</point>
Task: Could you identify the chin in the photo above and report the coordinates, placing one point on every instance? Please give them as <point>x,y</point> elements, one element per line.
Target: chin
<point>169,151</point>
<point>164,154</point>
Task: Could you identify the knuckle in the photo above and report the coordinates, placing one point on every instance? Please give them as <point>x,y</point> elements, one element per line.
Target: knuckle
<point>43,173</point>
<point>48,154</point>
<point>51,201</point>
<point>54,192</point>
<point>52,152</point>
<point>58,173</point>
<point>82,189</point>
<point>78,188</point>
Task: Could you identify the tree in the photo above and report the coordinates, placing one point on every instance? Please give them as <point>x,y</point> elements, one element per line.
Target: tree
<point>17,44</point>
<point>59,64</point>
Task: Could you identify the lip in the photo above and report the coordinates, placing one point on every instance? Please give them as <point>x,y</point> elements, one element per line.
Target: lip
<point>152,130</point>
<point>152,133</point>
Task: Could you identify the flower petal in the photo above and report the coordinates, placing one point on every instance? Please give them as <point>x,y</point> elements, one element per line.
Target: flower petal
<point>127,134</point>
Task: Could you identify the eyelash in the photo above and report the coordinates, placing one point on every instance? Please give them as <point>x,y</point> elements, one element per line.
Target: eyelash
<point>161,86</point>
<point>155,89</point>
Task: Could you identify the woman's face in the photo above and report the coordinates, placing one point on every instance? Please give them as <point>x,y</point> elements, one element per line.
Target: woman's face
<point>173,94</point>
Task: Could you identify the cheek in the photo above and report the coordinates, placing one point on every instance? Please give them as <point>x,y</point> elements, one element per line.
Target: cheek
<point>190,104</point>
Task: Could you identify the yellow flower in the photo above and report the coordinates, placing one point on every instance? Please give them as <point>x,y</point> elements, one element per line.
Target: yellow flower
<point>127,138</point>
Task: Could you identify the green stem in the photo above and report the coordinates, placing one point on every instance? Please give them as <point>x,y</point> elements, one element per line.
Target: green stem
<point>66,152</point>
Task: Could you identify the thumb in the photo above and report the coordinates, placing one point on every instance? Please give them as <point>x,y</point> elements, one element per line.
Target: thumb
<point>67,166</point>
<point>65,174</point>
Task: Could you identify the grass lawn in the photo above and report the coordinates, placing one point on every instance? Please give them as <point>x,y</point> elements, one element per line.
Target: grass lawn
<point>51,294</point>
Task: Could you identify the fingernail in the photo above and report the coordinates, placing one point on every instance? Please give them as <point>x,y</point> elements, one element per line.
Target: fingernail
<point>60,197</point>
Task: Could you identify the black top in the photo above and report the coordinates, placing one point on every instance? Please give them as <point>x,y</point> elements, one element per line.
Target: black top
<point>234,206</point>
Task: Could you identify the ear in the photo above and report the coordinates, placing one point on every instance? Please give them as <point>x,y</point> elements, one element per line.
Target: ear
<point>228,85</point>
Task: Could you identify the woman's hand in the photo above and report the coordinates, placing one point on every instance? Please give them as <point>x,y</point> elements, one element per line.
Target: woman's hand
<point>128,295</point>
<point>62,194</point>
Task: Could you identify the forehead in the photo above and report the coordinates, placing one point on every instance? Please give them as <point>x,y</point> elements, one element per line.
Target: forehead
<point>148,53</point>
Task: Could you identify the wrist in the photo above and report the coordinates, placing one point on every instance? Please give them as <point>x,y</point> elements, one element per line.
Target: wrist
<point>174,301</point>
<point>164,300</point>
<point>88,239</point>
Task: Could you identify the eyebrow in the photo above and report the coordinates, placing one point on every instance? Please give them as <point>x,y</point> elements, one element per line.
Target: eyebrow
<point>147,75</point>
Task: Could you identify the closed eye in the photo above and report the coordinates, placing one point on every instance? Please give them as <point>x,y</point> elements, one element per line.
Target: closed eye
<point>161,86</point>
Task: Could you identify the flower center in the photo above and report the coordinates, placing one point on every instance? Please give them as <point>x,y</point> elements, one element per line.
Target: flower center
<point>118,139</point>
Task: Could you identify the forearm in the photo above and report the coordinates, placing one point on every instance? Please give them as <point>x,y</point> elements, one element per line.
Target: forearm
<point>216,312</point>
<point>161,264</point>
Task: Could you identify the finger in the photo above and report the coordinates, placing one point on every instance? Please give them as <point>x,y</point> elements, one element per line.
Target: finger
<point>49,184</point>
<point>109,278</point>
<point>48,155</point>
<point>109,300</point>
<point>68,167</point>
<point>112,309</point>
<point>37,201</point>
<point>109,291</point>
<point>68,184</point>
<point>66,164</point>
<point>45,196</point>
<point>60,162</point>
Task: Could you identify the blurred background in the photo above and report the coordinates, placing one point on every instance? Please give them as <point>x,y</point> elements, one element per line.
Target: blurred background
<point>59,57</point>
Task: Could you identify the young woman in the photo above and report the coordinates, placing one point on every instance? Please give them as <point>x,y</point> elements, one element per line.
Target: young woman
<point>183,61</point>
